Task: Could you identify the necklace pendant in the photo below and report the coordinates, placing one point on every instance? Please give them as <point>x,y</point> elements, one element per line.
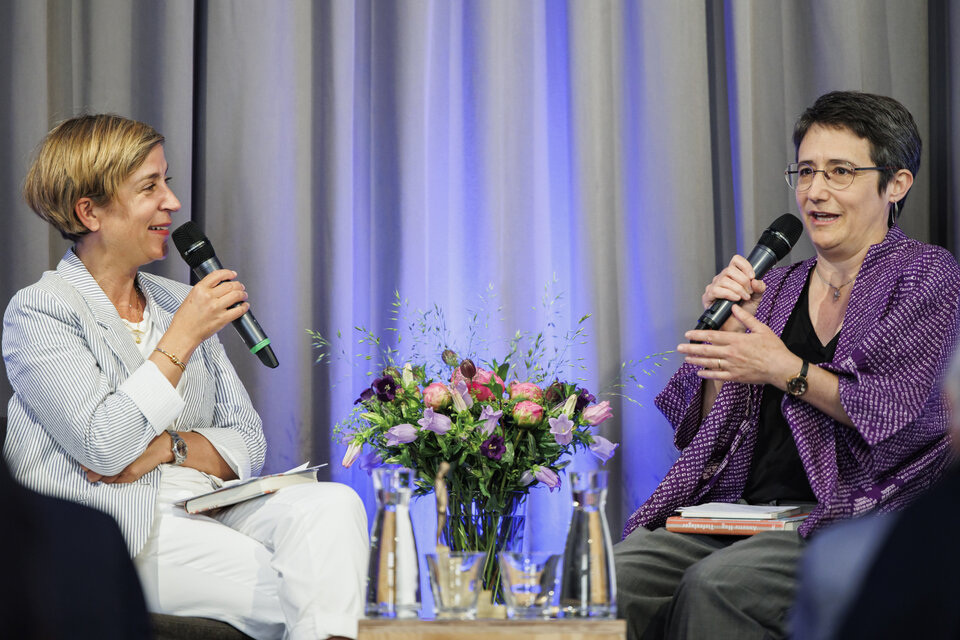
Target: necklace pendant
<point>836,294</point>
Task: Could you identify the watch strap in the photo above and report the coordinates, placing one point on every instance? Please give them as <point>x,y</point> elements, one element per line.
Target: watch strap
<point>797,385</point>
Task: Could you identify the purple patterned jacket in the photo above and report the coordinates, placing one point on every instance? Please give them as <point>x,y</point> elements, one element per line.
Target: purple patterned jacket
<point>898,336</point>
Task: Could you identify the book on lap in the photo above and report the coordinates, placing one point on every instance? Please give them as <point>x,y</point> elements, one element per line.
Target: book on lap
<point>236,491</point>
<point>733,527</point>
<point>723,518</point>
<point>732,510</point>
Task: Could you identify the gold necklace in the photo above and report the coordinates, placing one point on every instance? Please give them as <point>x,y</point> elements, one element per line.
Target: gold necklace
<point>134,327</point>
<point>836,290</point>
<point>135,330</point>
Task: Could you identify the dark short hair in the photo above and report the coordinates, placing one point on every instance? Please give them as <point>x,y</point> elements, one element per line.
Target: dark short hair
<point>883,122</point>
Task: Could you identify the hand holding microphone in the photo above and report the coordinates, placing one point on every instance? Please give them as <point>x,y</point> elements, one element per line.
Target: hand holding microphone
<point>755,357</point>
<point>198,253</point>
<point>735,281</point>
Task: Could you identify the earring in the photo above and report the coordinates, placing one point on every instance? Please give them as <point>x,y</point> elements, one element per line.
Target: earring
<point>894,213</point>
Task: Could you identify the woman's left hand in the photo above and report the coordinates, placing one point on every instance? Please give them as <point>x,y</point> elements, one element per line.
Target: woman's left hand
<point>756,357</point>
<point>152,457</point>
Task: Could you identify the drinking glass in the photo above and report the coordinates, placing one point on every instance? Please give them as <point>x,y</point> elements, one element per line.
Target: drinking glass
<point>530,583</point>
<point>455,582</point>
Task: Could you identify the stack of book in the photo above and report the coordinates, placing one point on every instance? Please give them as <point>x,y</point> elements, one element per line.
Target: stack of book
<point>721,518</point>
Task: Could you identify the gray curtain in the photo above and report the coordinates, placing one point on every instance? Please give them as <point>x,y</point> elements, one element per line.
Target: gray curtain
<point>613,152</point>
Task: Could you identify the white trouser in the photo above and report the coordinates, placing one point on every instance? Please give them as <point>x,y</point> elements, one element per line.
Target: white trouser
<point>290,564</point>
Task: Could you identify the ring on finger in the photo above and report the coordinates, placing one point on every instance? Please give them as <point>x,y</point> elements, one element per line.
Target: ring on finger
<point>719,365</point>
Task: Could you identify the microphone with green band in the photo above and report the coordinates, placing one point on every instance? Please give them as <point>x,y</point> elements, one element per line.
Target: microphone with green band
<point>198,253</point>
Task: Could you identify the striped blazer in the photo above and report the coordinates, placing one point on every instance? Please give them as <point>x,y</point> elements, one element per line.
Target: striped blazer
<point>68,355</point>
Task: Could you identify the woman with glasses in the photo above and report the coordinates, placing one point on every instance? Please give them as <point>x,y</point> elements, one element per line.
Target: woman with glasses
<point>822,389</point>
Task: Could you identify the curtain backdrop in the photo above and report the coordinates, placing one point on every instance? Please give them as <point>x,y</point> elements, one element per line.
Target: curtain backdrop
<point>614,153</point>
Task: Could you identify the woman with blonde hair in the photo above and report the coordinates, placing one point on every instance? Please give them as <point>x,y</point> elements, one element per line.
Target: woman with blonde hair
<point>124,400</point>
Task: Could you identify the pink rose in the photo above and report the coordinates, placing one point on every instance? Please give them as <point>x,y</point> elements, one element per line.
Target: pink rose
<point>597,413</point>
<point>525,391</point>
<point>528,414</point>
<point>437,396</point>
<point>480,392</point>
<point>482,376</point>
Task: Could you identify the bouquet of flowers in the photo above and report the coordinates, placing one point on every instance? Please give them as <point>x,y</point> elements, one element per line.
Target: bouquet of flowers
<point>500,440</point>
<point>504,428</point>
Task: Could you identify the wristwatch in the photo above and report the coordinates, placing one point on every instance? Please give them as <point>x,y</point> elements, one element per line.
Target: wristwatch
<point>797,385</point>
<point>179,448</point>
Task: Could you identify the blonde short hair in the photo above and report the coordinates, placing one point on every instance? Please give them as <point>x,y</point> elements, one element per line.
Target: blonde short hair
<point>85,157</point>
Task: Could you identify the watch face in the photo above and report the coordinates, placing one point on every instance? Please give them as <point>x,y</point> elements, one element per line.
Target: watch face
<point>179,450</point>
<point>796,386</point>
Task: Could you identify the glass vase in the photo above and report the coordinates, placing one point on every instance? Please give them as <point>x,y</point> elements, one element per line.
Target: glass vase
<point>471,526</point>
<point>393,575</point>
<point>588,583</point>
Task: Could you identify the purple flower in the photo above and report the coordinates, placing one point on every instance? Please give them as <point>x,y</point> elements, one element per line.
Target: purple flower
<point>401,434</point>
<point>490,418</point>
<point>493,447</point>
<point>562,429</point>
<point>365,395</point>
<point>353,452</point>
<point>526,478</point>
<point>603,448</point>
<point>370,461</point>
<point>462,400</point>
<point>436,422</point>
<point>548,477</point>
<point>584,399</point>
<point>385,388</point>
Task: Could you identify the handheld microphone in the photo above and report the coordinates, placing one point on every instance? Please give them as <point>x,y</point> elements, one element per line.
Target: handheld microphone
<point>198,253</point>
<point>774,244</point>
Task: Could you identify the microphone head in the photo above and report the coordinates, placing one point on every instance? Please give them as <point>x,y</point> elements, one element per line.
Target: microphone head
<point>782,234</point>
<point>192,244</point>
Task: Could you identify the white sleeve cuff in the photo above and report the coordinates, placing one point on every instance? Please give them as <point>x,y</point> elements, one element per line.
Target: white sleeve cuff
<point>225,441</point>
<point>157,399</point>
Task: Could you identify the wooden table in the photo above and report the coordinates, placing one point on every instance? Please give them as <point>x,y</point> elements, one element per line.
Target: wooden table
<point>381,629</point>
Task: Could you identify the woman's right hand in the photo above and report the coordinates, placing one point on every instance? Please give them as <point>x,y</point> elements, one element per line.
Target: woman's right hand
<point>737,282</point>
<point>208,308</point>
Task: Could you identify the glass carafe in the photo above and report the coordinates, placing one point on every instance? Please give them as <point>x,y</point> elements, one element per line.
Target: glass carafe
<point>393,576</point>
<point>588,584</point>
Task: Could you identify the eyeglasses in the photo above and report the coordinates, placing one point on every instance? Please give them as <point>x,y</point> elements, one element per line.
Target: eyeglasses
<point>839,175</point>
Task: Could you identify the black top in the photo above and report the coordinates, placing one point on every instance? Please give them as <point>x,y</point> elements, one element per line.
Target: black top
<point>776,472</point>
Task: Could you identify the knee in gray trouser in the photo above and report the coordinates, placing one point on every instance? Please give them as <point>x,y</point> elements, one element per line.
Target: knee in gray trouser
<point>704,584</point>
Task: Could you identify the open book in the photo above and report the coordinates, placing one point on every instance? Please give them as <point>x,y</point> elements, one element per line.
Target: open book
<point>236,491</point>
